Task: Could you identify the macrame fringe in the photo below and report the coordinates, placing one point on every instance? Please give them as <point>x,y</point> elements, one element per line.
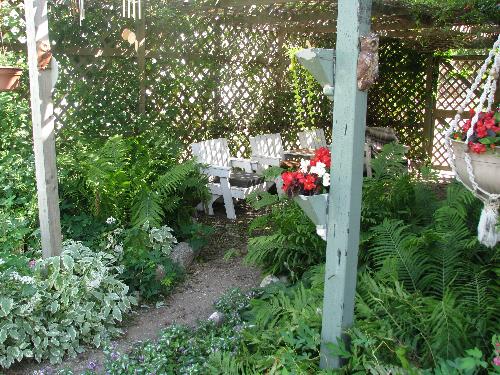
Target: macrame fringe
<point>488,234</point>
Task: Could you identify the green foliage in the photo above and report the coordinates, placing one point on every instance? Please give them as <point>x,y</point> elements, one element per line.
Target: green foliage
<point>284,240</point>
<point>17,176</point>
<point>475,11</point>
<point>59,305</point>
<point>196,234</point>
<point>182,349</point>
<point>428,292</point>
<point>144,253</point>
<point>125,179</point>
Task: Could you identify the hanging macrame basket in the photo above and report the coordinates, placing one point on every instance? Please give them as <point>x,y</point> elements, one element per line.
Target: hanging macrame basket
<point>480,173</point>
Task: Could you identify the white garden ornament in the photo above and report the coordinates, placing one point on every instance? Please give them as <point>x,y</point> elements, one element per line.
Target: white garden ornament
<point>479,173</point>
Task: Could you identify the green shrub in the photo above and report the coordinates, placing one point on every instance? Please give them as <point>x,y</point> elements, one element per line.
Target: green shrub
<point>144,254</point>
<point>60,304</point>
<point>133,179</point>
<point>284,239</point>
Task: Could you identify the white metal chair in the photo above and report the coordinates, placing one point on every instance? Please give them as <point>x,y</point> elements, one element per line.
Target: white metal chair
<point>223,180</point>
<point>267,151</point>
<point>313,138</point>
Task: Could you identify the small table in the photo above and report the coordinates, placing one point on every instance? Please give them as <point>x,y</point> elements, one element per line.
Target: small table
<point>298,154</point>
<point>292,158</point>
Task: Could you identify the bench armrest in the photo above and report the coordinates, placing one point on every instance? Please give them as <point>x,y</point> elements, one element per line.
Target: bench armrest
<point>217,171</point>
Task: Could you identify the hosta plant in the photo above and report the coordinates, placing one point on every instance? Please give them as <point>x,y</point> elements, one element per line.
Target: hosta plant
<point>52,307</point>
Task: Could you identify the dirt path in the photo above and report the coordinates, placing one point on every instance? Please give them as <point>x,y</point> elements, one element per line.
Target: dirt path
<point>207,279</point>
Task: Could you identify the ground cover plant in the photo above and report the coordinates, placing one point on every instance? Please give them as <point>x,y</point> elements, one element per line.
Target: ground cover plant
<point>53,307</point>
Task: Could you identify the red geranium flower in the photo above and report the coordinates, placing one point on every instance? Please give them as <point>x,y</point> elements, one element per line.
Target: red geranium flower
<point>487,127</point>
<point>478,148</point>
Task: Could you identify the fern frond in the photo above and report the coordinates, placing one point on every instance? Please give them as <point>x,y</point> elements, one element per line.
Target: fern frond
<point>224,363</point>
<point>446,324</point>
<point>446,258</point>
<point>261,199</point>
<point>391,242</point>
<point>171,180</point>
<point>146,207</point>
<point>389,162</point>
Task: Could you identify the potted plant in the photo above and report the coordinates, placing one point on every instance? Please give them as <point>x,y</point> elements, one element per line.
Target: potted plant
<point>483,147</point>
<point>309,187</point>
<point>10,74</point>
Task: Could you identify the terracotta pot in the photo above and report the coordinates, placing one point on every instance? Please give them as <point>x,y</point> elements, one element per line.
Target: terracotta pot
<point>9,78</point>
<point>486,167</point>
<point>316,209</point>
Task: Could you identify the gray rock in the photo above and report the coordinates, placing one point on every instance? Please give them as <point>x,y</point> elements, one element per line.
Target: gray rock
<point>183,254</point>
<point>284,279</point>
<point>217,317</point>
<point>268,280</point>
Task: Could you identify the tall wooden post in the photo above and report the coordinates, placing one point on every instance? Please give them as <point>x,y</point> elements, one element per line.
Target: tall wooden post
<point>42,110</point>
<point>349,124</point>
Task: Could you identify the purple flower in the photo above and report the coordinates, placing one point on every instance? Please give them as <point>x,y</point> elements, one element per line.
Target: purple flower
<point>141,358</point>
<point>496,361</point>
<point>114,356</point>
<point>92,366</point>
<point>32,263</point>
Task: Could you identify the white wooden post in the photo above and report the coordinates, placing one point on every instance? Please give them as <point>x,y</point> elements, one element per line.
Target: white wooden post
<point>347,176</point>
<point>42,109</point>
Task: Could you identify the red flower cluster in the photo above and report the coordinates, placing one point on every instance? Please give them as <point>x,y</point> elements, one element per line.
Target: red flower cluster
<point>308,180</point>
<point>322,155</point>
<point>295,183</point>
<point>486,131</point>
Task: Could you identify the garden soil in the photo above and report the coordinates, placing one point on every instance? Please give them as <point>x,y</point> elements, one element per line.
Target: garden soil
<point>208,278</point>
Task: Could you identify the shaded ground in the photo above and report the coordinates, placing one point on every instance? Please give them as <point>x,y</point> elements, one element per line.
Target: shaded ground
<point>207,280</point>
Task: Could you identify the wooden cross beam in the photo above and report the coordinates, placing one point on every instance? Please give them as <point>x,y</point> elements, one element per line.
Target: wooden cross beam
<point>344,216</point>
<point>42,113</point>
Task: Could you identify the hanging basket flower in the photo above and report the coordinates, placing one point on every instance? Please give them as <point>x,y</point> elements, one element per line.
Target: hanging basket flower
<point>483,149</point>
<point>9,78</point>
<point>473,151</point>
<point>309,187</point>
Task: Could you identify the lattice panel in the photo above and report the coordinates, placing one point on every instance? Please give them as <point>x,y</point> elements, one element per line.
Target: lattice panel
<point>439,151</point>
<point>398,99</point>
<point>455,78</point>
<point>220,75</point>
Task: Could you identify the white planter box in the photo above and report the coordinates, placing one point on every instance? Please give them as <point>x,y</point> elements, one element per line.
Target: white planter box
<point>486,167</point>
<point>316,208</point>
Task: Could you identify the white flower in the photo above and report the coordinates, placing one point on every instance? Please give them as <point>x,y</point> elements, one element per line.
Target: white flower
<point>15,30</point>
<point>326,179</point>
<point>304,165</point>
<point>2,261</point>
<point>110,220</point>
<point>319,169</point>
<point>22,279</point>
<point>119,248</point>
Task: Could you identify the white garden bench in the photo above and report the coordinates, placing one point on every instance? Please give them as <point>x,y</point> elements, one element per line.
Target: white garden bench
<point>267,151</point>
<point>224,180</point>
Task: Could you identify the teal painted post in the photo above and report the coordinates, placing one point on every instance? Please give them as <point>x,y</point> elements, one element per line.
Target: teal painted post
<point>349,122</point>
